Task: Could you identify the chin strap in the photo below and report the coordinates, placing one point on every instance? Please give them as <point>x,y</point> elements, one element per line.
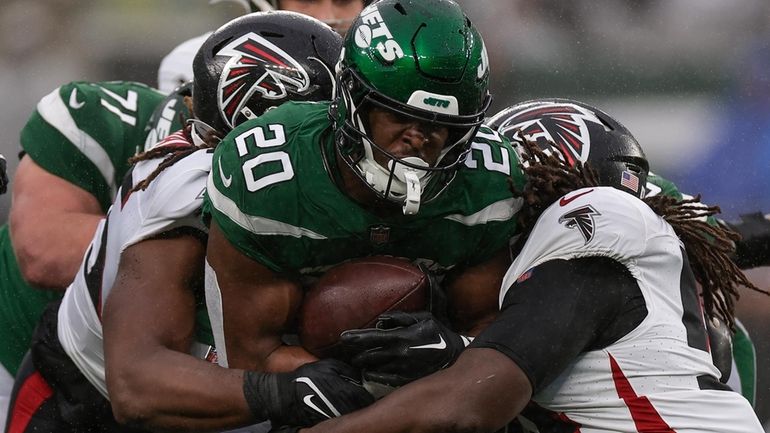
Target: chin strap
<point>413,192</point>
<point>399,183</point>
<point>412,180</point>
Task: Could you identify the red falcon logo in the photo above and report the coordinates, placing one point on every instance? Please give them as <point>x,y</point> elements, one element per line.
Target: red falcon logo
<point>562,124</point>
<point>582,219</point>
<point>256,65</point>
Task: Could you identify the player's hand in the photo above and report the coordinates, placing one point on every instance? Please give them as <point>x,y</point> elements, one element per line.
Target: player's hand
<point>310,394</point>
<point>403,347</point>
<point>3,175</point>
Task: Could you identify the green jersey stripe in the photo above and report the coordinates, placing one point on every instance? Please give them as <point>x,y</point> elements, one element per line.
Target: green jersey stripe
<point>53,110</point>
<point>502,210</point>
<point>255,224</point>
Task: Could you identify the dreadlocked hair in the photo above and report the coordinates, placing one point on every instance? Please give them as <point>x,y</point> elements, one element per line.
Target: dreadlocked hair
<point>173,153</point>
<point>548,178</point>
<point>708,247</point>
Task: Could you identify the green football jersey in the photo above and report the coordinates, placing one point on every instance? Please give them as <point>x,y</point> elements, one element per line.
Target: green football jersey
<point>271,193</point>
<point>83,133</point>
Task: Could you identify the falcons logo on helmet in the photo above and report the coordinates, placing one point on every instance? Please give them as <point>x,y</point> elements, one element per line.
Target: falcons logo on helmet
<point>256,65</point>
<point>581,219</point>
<point>562,124</point>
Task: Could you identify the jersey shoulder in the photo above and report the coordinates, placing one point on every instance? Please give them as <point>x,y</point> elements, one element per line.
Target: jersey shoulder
<point>596,221</point>
<point>85,132</point>
<point>487,177</point>
<point>175,196</point>
<point>264,158</point>
<point>266,151</point>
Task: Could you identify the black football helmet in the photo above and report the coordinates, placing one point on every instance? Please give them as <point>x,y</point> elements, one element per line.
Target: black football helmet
<point>582,133</point>
<point>261,60</point>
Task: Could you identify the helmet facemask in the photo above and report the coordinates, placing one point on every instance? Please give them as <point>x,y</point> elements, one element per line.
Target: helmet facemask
<point>409,181</point>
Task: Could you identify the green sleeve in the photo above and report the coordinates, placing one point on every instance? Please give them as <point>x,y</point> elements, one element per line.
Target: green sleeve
<point>85,133</point>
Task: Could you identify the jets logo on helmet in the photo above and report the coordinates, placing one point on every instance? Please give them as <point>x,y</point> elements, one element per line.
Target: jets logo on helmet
<point>564,125</point>
<point>256,65</point>
<point>581,219</point>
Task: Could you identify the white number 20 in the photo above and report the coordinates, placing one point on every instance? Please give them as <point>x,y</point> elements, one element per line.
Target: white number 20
<point>257,137</point>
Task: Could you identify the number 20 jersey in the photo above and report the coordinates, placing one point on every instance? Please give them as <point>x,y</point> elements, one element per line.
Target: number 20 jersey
<point>271,192</point>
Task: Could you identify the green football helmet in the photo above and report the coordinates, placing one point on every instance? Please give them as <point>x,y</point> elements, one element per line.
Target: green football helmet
<point>422,60</point>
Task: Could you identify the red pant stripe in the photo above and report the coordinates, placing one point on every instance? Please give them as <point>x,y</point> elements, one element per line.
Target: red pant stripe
<point>32,394</point>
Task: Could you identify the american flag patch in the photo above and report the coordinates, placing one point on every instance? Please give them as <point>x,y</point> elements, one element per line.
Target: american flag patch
<point>630,181</point>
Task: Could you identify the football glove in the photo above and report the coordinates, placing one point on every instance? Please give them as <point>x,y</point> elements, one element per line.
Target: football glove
<point>403,347</point>
<point>3,176</point>
<point>284,429</point>
<point>306,396</point>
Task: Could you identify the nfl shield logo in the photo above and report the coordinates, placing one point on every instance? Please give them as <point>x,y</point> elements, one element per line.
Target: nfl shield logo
<point>379,235</point>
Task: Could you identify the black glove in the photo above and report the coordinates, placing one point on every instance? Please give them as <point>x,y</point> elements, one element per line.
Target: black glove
<point>311,394</point>
<point>284,429</point>
<point>753,249</point>
<point>3,176</point>
<point>403,347</point>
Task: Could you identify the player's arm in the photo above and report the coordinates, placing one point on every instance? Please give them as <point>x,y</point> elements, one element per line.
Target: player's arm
<point>148,322</point>
<point>258,307</point>
<point>472,294</point>
<point>406,346</point>
<point>52,222</point>
<point>596,300</point>
<point>152,381</point>
<point>461,398</point>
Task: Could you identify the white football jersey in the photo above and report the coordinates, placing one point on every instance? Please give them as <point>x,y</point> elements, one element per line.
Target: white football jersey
<point>654,378</point>
<point>172,200</point>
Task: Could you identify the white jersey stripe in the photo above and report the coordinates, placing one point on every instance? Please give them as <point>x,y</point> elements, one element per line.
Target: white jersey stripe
<point>502,210</point>
<point>255,224</point>
<point>54,111</point>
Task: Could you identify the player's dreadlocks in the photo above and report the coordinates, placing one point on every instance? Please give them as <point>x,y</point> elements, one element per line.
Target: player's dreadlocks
<point>174,153</point>
<point>708,247</point>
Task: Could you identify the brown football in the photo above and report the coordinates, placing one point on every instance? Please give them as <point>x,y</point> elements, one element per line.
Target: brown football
<point>353,294</point>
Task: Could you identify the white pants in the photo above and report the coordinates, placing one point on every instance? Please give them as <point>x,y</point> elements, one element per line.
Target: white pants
<point>6,386</point>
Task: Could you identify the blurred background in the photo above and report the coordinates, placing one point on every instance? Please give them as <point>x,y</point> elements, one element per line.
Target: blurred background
<point>690,79</point>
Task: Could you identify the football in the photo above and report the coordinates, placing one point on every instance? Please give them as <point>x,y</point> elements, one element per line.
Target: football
<point>353,294</point>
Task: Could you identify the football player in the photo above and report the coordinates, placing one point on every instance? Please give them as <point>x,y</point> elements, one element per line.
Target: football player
<point>600,324</point>
<point>381,170</point>
<point>76,147</point>
<point>140,274</point>
<point>564,123</point>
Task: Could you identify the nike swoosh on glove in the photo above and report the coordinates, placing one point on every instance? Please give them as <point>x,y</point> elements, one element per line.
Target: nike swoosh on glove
<point>311,394</point>
<point>403,347</point>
